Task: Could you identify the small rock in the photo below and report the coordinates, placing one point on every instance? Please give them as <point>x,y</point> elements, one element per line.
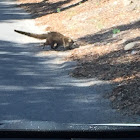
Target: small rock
<point>129,46</point>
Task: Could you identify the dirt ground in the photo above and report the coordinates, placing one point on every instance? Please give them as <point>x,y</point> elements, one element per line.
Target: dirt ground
<point>102,28</point>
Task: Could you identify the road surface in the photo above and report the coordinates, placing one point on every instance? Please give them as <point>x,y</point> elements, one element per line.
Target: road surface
<point>34,87</point>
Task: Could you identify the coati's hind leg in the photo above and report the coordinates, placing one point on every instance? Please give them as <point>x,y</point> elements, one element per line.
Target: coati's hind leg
<point>46,43</point>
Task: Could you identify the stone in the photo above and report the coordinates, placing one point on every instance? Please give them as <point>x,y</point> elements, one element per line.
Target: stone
<point>131,45</point>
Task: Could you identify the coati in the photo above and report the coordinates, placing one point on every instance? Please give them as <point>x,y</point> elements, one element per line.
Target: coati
<point>54,39</point>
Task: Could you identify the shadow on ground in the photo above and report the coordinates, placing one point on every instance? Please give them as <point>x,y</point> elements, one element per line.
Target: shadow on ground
<point>39,88</point>
<point>9,12</point>
<point>45,7</point>
<point>105,36</point>
<point>110,66</point>
<point>120,66</point>
<point>116,64</point>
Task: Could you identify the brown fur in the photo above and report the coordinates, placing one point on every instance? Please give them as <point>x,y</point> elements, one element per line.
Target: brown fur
<point>54,39</point>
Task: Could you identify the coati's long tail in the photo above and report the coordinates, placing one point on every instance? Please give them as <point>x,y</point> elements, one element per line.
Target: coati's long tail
<point>38,36</point>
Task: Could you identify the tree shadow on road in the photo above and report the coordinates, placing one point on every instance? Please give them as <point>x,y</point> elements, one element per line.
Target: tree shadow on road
<point>11,12</point>
<point>39,89</point>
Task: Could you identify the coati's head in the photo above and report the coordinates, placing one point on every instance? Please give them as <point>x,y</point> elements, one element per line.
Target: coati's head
<point>68,43</point>
<point>71,44</point>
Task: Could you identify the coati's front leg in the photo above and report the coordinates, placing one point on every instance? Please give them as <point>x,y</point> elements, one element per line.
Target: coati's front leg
<point>44,45</point>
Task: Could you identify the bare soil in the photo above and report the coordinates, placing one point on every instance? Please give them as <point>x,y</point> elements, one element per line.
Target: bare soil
<point>101,52</point>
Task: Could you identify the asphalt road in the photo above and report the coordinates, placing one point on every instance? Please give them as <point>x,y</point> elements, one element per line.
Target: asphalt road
<point>38,88</point>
